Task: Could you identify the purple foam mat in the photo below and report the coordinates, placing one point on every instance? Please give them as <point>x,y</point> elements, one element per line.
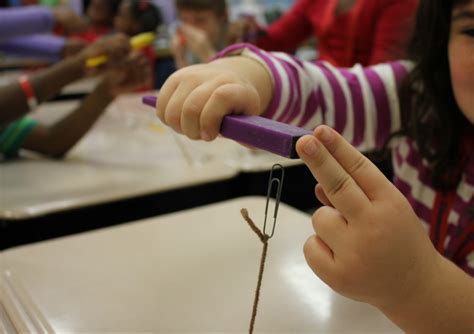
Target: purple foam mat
<point>260,132</point>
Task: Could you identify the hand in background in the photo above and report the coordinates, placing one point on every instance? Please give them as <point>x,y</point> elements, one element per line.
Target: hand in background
<point>245,29</point>
<point>131,73</point>
<point>116,47</point>
<point>73,47</point>
<point>178,49</point>
<point>197,42</point>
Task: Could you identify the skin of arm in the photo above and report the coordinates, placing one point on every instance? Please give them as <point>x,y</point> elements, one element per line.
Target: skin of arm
<point>49,82</point>
<point>56,140</point>
<point>45,84</point>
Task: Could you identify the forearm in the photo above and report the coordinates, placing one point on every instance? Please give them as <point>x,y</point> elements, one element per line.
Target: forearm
<point>58,139</point>
<point>46,84</point>
<point>443,305</point>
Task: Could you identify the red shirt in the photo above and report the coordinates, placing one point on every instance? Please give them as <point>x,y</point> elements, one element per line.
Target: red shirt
<point>373,31</point>
<point>92,34</point>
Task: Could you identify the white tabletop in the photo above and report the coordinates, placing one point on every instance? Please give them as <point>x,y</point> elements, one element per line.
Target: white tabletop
<point>188,272</point>
<point>126,154</point>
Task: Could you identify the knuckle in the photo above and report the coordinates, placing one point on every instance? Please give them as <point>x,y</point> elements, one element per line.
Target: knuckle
<point>191,109</point>
<point>319,215</point>
<point>359,164</point>
<point>222,93</point>
<point>341,184</point>
<point>172,118</point>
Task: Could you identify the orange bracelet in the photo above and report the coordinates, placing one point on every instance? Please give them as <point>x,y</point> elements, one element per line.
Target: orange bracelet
<point>28,91</point>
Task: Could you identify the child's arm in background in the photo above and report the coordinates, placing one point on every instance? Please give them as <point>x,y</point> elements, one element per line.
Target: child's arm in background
<point>371,247</point>
<point>393,28</point>
<point>57,139</point>
<point>49,82</point>
<point>361,103</point>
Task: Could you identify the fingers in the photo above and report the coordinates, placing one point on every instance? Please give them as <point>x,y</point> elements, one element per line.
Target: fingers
<point>166,92</point>
<point>321,195</point>
<point>319,257</point>
<point>117,47</point>
<point>331,227</point>
<point>227,99</point>
<point>197,105</point>
<point>369,178</point>
<point>192,108</point>
<point>339,186</point>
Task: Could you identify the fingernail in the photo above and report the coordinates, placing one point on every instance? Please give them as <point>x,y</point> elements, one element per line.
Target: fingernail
<point>310,148</point>
<point>325,135</point>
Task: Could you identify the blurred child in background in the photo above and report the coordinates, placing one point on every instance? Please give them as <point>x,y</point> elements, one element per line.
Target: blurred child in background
<point>100,17</point>
<point>135,17</point>
<point>124,72</point>
<point>202,31</point>
<point>347,32</point>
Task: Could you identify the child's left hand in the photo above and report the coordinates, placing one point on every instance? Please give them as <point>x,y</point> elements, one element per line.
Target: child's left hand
<point>132,73</point>
<point>370,245</point>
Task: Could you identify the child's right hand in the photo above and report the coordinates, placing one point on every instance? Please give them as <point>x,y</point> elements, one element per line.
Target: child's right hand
<point>116,47</point>
<point>194,100</point>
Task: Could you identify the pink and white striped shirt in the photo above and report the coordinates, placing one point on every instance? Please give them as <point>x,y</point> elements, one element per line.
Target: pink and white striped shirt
<point>364,106</point>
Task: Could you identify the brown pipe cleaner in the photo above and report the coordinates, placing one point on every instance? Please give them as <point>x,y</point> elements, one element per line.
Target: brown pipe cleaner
<point>264,239</point>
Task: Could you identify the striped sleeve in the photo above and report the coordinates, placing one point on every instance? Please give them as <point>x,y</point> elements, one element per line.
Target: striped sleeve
<point>360,103</point>
<point>14,135</point>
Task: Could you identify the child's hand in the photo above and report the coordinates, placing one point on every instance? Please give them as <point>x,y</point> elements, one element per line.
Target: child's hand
<point>178,49</point>
<point>245,29</point>
<point>197,42</point>
<point>370,245</point>
<point>73,47</point>
<point>115,47</point>
<point>194,100</point>
<point>130,74</point>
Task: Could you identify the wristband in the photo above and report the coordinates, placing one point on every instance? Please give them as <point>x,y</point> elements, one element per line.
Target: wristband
<point>28,91</point>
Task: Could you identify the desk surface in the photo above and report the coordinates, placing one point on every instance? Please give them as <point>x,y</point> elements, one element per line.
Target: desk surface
<point>127,154</point>
<point>193,271</point>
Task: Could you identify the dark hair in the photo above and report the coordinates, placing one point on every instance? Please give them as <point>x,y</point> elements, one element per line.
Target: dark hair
<point>435,120</point>
<point>219,7</point>
<point>145,12</point>
<point>113,5</point>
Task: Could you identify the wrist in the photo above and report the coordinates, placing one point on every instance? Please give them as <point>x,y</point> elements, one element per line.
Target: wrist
<point>105,90</point>
<point>438,302</point>
<point>77,65</point>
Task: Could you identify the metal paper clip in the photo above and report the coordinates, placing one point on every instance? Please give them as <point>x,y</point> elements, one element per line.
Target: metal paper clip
<point>279,184</point>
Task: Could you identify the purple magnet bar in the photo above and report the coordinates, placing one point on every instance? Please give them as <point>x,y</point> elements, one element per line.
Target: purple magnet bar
<point>260,132</point>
